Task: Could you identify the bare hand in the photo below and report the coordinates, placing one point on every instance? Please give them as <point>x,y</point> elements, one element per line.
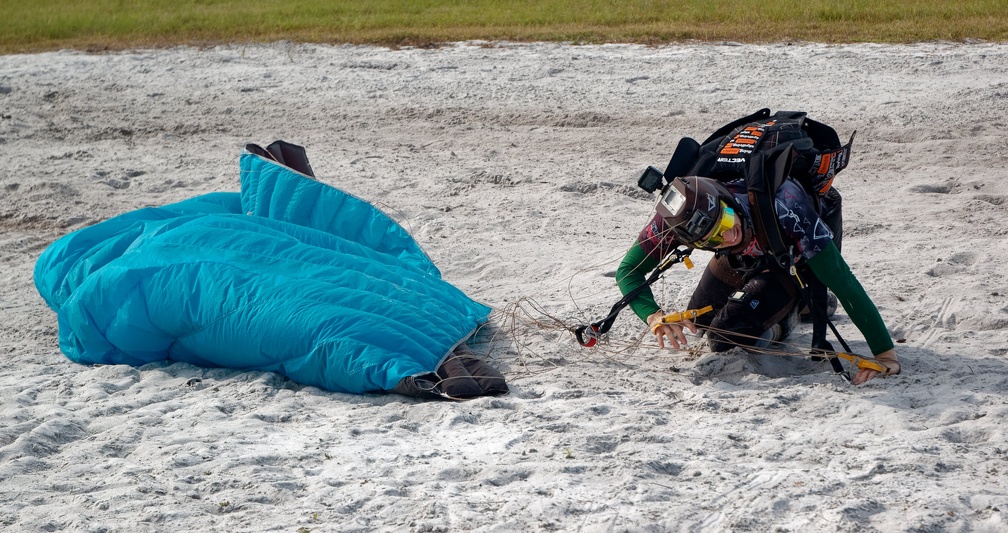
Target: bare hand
<point>673,332</point>
<point>887,358</point>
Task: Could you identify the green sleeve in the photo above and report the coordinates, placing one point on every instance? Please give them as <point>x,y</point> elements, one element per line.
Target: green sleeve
<point>632,272</point>
<point>832,270</point>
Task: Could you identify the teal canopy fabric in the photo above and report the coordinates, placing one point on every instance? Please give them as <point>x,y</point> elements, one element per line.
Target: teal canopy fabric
<point>290,276</point>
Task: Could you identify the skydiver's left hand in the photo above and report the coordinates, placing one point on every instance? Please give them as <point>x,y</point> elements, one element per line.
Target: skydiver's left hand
<point>887,358</point>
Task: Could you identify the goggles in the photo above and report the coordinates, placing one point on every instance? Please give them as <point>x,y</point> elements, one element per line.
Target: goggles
<point>725,222</point>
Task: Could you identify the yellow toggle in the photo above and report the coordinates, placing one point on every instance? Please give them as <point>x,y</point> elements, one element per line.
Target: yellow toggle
<point>862,364</point>
<point>688,314</point>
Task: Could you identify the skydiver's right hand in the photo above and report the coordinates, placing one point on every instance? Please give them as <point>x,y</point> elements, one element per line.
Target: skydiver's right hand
<point>673,332</point>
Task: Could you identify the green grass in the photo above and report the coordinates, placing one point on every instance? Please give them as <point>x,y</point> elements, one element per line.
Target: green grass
<point>36,25</point>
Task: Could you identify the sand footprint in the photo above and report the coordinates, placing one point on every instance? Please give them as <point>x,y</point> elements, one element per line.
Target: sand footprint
<point>992,199</point>
<point>938,188</point>
<point>957,435</point>
<point>45,439</point>
<point>924,325</point>
<point>956,263</point>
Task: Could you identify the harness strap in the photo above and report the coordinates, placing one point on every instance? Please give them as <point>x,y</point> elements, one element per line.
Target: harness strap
<point>817,310</point>
<point>766,172</point>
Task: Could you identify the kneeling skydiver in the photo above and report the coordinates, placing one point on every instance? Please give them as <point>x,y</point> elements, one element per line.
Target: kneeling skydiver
<point>756,303</point>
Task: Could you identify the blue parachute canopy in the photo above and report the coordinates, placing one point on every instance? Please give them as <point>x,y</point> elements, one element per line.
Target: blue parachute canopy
<point>290,276</point>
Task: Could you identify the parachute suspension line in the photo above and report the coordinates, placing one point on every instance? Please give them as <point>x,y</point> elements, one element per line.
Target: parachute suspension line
<point>518,320</point>
<point>661,236</point>
<point>575,298</point>
<point>793,350</point>
<point>570,282</point>
<point>524,320</point>
<point>525,317</point>
<point>589,335</point>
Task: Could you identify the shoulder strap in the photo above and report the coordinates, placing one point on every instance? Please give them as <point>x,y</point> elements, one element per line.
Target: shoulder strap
<point>767,170</point>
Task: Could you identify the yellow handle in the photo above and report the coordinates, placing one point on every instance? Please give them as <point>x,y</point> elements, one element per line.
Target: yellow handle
<point>688,314</point>
<point>864,364</point>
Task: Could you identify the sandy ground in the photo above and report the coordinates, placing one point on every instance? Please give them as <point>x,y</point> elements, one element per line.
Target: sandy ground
<point>514,166</point>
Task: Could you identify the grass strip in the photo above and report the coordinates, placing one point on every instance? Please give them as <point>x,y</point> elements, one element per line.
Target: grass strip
<point>39,25</point>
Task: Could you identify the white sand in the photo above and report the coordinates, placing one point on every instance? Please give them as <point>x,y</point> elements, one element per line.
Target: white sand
<point>514,167</point>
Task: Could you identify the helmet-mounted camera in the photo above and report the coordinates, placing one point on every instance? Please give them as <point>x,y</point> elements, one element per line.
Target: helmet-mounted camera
<point>698,210</point>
